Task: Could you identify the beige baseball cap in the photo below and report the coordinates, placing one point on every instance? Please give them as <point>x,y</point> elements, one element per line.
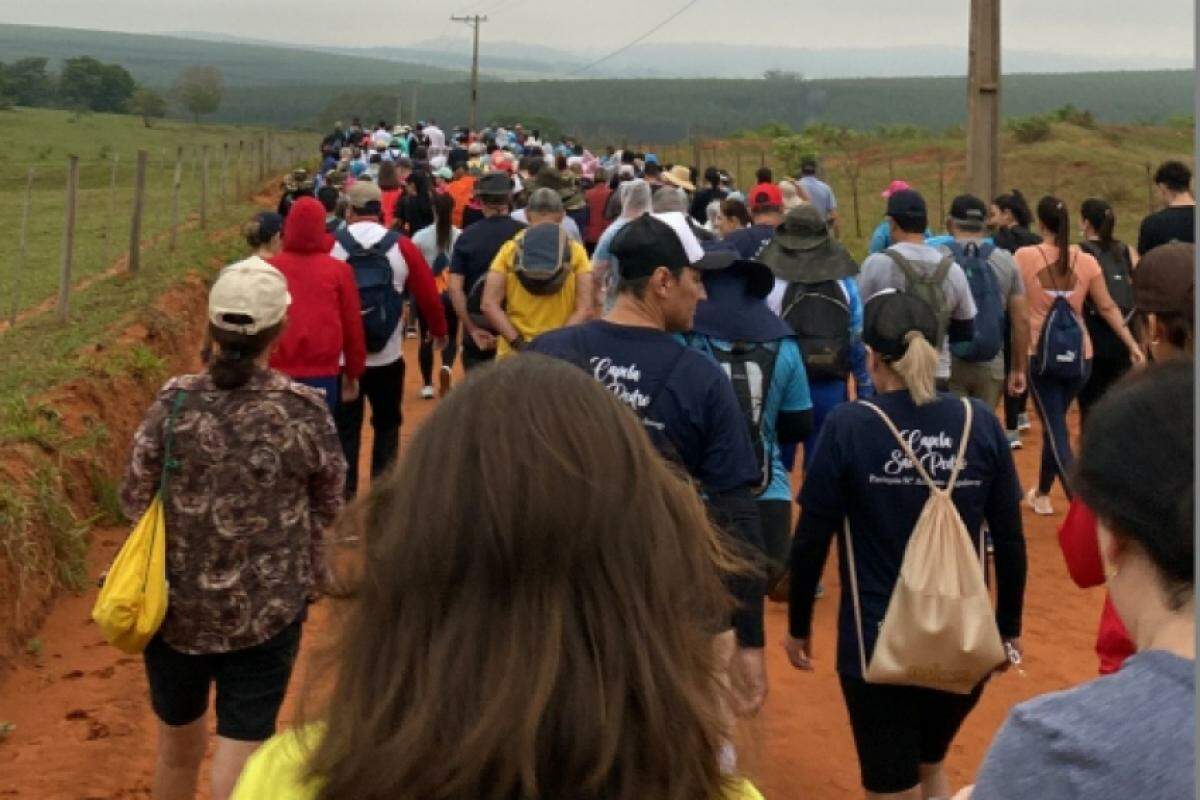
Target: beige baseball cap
<point>248,297</point>
<point>363,192</point>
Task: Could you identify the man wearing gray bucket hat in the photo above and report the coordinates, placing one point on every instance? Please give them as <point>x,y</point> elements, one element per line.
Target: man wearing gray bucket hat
<point>816,294</point>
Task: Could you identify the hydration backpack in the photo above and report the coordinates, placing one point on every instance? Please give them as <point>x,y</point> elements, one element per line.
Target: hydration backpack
<point>381,303</point>
<point>988,340</point>
<point>543,259</point>
<point>930,288</point>
<point>750,367</point>
<point>1061,345</point>
<point>1118,276</point>
<point>820,315</point>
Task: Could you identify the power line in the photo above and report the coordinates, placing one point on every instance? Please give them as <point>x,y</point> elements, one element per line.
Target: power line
<point>639,39</point>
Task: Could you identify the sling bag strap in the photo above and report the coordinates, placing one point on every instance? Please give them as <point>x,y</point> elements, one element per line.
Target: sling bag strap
<point>958,462</point>
<point>169,463</point>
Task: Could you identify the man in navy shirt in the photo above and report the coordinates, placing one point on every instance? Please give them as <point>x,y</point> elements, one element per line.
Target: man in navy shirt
<point>683,397</point>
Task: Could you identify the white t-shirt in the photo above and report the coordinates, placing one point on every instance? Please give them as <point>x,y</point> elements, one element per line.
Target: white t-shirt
<point>368,233</point>
<point>880,272</point>
<point>426,241</point>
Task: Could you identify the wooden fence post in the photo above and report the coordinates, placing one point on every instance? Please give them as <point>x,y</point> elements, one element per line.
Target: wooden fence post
<point>262,158</point>
<point>176,182</point>
<point>237,172</point>
<point>68,246</point>
<point>139,203</point>
<point>1149,190</point>
<point>221,175</point>
<point>112,195</point>
<point>22,249</point>
<point>204,188</point>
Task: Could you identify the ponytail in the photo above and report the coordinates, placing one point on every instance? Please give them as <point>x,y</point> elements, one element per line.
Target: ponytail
<point>233,363</point>
<point>1099,215</point>
<point>443,210</point>
<point>918,367</point>
<point>1053,215</point>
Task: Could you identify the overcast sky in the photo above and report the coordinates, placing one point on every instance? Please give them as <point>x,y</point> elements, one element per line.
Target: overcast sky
<point>1120,27</point>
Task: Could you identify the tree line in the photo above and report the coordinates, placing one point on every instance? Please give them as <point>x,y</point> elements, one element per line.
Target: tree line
<point>86,84</point>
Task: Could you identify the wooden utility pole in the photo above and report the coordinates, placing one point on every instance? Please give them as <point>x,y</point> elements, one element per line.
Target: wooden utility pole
<point>983,100</point>
<point>473,20</point>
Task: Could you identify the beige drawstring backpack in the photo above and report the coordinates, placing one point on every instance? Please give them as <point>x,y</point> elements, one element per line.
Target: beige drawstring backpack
<point>939,631</point>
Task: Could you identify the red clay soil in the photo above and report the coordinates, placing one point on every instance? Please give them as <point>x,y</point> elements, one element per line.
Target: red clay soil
<point>83,729</point>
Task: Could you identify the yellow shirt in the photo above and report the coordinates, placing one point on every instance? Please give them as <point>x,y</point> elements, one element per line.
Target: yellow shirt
<point>276,772</point>
<point>534,314</point>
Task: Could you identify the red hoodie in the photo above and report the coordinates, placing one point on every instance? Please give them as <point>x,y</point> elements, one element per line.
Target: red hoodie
<point>325,319</point>
<point>1081,549</point>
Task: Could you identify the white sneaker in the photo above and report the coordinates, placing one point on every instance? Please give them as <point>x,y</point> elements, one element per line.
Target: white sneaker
<point>427,393</point>
<point>1014,440</point>
<point>1040,503</point>
<point>1023,423</point>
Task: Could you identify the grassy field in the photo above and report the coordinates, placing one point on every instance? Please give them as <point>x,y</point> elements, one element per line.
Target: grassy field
<point>40,140</point>
<point>1074,163</point>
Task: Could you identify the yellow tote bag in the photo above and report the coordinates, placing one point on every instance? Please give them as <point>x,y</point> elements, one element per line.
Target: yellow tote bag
<point>133,600</point>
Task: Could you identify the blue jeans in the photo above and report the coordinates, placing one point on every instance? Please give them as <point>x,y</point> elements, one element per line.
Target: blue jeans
<point>1052,397</point>
<point>331,387</point>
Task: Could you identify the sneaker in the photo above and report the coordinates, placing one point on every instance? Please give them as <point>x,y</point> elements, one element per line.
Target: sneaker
<point>1023,422</point>
<point>445,379</point>
<point>1040,503</point>
<point>427,393</point>
<point>411,334</point>
<point>1014,440</point>
<point>820,592</point>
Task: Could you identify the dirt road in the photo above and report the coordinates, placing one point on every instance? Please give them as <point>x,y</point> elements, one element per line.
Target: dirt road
<point>83,730</point>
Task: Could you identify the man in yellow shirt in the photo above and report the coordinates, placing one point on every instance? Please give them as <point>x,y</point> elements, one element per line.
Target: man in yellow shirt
<point>538,282</point>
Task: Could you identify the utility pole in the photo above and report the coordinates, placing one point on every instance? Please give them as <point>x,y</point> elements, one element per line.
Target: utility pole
<point>983,100</point>
<point>473,21</point>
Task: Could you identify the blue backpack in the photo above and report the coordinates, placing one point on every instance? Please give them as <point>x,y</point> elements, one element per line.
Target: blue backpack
<point>988,340</point>
<point>381,303</point>
<point>1060,348</point>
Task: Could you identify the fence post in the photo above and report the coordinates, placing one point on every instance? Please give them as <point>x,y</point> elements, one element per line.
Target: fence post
<point>176,182</point>
<point>221,175</point>
<point>237,173</point>
<point>262,158</point>
<point>22,249</point>
<point>762,157</point>
<point>1149,190</point>
<point>139,202</point>
<point>112,192</point>
<point>68,247</point>
<point>204,188</point>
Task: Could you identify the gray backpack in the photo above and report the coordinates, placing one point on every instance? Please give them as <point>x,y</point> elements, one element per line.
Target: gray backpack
<point>930,288</point>
<point>543,259</point>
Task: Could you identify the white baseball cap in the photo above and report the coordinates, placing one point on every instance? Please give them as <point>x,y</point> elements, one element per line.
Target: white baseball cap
<point>249,297</point>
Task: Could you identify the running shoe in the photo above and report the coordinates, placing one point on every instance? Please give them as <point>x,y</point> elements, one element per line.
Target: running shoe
<point>1023,423</point>
<point>820,592</point>
<point>1040,503</point>
<point>445,379</point>
<point>1014,440</point>
<point>427,393</point>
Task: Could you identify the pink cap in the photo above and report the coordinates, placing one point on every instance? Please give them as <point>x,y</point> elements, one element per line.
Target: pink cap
<point>895,186</point>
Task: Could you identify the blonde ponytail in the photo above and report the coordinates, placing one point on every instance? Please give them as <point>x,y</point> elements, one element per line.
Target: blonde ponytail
<point>918,367</point>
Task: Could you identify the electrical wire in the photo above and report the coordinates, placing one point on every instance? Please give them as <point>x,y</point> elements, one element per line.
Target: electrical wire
<point>639,39</point>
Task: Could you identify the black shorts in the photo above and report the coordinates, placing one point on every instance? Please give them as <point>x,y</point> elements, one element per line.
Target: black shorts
<point>898,728</point>
<point>250,683</point>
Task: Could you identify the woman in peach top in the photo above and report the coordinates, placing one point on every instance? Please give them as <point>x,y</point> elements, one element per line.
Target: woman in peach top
<point>1053,269</point>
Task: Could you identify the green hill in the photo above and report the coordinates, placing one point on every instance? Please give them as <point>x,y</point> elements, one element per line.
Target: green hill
<point>157,60</point>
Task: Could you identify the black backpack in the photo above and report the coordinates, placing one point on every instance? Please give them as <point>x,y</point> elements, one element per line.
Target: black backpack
<point>381,303</point>
<point>750,367</point>
<point>1118,276</point>
<point>820,315</point>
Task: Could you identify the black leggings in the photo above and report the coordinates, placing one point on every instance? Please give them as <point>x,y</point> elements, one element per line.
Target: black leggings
<point>1013,406</point>
<point>449,353</point>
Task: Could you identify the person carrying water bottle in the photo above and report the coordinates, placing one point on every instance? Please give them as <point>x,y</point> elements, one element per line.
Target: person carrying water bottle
<point>1058,278</point>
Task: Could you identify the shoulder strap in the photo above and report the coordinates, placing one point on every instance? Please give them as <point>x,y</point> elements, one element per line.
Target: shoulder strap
<point>851,568</point>
<point>169,463</point>
<point>910,274</point>
<point>943,269</point>
<point>384,245</point>
<point>962,448</point>
<point>351,245</point>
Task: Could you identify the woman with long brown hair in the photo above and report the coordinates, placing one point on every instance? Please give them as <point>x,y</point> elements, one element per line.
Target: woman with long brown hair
<point>553,638</point>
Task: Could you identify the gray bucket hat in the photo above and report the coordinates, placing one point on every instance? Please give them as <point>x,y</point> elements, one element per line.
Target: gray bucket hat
<point>803,250</point>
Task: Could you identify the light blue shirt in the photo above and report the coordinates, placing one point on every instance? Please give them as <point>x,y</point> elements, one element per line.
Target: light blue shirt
<point>820,194</point>
<point>603,252</point>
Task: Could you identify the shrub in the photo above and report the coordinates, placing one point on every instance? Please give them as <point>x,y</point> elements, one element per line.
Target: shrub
<point>1028,130</point>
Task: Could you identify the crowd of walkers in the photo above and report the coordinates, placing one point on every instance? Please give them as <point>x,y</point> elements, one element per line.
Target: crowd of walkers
<point>558,588</point>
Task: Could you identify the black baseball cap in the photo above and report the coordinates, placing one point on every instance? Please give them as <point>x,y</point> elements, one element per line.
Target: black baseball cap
<point>908,204</point>
<point>969,211</point>
<point>890,316</point>
<point>269,224</point>
<point>647,243</point>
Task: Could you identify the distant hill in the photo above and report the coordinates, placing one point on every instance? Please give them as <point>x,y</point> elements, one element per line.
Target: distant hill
<point>157,60</point>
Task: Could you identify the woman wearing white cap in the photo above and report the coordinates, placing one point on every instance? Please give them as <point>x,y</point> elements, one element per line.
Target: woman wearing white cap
<point>254,476</point>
